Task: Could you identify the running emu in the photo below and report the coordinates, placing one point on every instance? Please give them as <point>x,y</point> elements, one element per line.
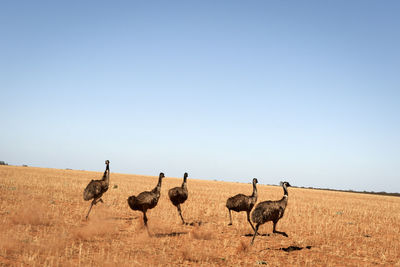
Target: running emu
<point>241,202</point>
<point>146,200</point>
<point>270,211</point>
<point>178,196</point>
<point>96,188</point>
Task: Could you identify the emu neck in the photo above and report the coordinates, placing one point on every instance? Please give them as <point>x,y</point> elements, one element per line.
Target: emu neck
<point>158,187</point>
<point>106,175</point>
<point>184,183</point>
<point>285,192</point>
<point>254,191</point>
<point>285,196</point>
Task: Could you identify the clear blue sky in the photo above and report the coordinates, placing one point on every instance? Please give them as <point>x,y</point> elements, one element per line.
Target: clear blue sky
<point>306,91</point>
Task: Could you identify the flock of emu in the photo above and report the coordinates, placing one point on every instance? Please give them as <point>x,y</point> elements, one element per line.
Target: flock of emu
<point>264,211</point>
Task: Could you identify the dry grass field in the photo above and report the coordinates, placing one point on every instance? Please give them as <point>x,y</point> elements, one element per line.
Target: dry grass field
<point>43,223</point>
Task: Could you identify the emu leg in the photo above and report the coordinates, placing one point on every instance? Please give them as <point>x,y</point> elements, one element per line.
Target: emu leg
<point>180,213</point>
<point>145,223</point>
<point>248,219</point>
<point>255,233</point>
<point>230,217</point>
<point>144,218</point>
<point>278,232</point>
<point>91,205</point>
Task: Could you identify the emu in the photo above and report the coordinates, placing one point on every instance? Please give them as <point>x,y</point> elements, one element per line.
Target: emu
<point>146,200</point>
<point>96,188</point>
<point>242,202</point>
<point>270,211</point>
<point>178,195</point>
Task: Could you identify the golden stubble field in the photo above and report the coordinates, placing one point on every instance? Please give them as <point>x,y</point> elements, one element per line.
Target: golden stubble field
<point>43,223</point>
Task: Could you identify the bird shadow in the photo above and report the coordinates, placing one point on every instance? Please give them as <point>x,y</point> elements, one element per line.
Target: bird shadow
<point>289,248</point>
<point>194,223</point>
<point>123,218</point>
<point>170,234</point>
<point>293,248</point>
<point>258,234</point>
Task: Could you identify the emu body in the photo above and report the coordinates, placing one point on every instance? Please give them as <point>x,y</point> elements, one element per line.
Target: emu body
<point>242,202</point>
<point>270,211</point>
<point>178,196</point>
<point>146,200</point>
<point>96,188</point>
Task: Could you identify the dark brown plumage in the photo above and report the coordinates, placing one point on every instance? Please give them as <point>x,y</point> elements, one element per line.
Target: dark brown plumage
<point>96,188</point>
<point>242,202</point>
<point>146,200</point>
<point>270,211</point>
<point>178,195</point>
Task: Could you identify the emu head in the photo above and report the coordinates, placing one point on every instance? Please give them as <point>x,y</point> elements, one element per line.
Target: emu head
<point>185,175</point>
<point>284,184</point>
<point>255,181</point>
<point>161,175</point>
<point>107,162</point>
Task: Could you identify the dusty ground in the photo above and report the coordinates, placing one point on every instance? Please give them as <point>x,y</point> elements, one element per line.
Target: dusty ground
<point>42,223</point>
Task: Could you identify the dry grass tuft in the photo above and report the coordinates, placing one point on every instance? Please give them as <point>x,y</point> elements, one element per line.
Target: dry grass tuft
<point>201,233</point>
<point>95,227</point>
<point>141,237</point>
<point>8,245</point>
<point>32,213</point>
<point>157,226</point>
<point>243,246</point>
<point>198,255</point>
<point>189,255</point>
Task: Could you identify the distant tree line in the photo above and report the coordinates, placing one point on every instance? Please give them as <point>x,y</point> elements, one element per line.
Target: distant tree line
<point>382,193</point>
<point>5,163</point>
